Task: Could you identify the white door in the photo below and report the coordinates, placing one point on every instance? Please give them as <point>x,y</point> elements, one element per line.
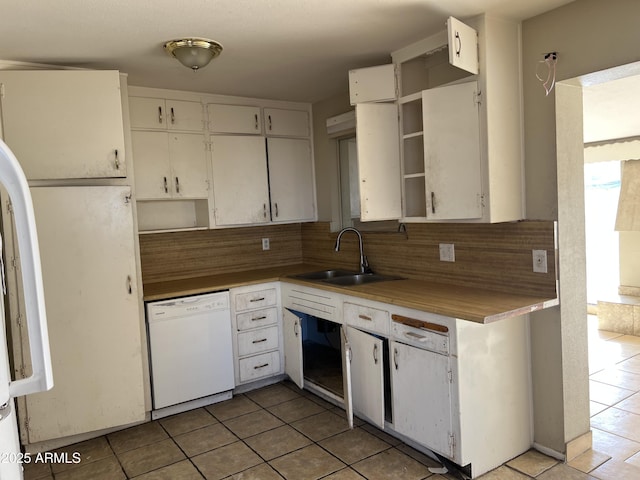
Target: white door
<point>463,45</point>
<point>148,113</point>
<point>64,123</point>
<point>346,375</point>
<point>88,265</point>
<point>367,376</point>
<point>421,396</point>
<point>289,123</point>
<point>182,115</point>
<point>151,166</point>
<point>234,119</point>
<point>452,152</point>
<point>291,179</point>
<point>188,165</point>
<point>378,143</point>
<point>240,185</point>
<point>292,338</point>
<point>373,84</point>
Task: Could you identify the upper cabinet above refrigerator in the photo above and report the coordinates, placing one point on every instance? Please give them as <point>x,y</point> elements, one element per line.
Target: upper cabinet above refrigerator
<point>64,123</point>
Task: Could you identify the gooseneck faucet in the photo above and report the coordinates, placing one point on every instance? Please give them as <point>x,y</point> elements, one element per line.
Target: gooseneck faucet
<point>364,264</point>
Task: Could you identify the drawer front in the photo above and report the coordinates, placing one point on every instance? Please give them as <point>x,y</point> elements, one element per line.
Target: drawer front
<point>367,318</point>
<point>257,299</point>
<point>257,341</point>
<point>257,318</point>
<point>421,338</point>
<point>259,366</point>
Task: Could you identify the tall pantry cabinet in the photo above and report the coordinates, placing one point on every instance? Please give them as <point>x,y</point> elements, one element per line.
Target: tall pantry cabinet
<point>87,243</point>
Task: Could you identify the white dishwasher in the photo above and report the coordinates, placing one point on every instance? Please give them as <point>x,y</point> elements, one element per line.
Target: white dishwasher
<point>191,352</point>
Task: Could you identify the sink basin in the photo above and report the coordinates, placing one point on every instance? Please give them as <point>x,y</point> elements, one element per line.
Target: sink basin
<point>324,275</point>
<point>360,279</point>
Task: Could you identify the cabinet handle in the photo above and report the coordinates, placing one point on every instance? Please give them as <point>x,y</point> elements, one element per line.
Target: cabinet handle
<point>261,366</point>
<point>264,210</point>
<point>433,202</point>
<point>375,354</point>
<point>395,357</point>
<point>117,162</point>
<point>415,336</point>
<point>295,328</point>
<point>276,204</point>
<point>173,117</point>
<point>255,117</point>
<point>257,319</point>
<point>259,341</point>
<point>160,115</point>
<point>458,45</point>
<point>129,285</point>
<point>259,299</point>
<point>365,317</point>
<point>166,186</point>
<point>270,125</point>
<point>177,185</point>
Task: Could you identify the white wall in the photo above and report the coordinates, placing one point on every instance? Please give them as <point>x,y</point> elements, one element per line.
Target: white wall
<point>589,36</point>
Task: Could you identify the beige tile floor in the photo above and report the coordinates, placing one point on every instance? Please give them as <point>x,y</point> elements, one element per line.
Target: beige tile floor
<point>280,432</point>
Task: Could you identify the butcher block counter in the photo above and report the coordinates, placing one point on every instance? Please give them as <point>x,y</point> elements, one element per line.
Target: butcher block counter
<point>472,304</point>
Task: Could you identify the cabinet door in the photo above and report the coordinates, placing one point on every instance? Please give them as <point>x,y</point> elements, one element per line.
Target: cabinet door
<point>183,115</point>
<point>240,186</point>
<point>452,152</point>
<point>188,165</point>
<point>347,385</point>
<point>291,179</point>
<point>463,45</point>
<point>86,241</point>
<point>151,165</point>
<point>149,113</point>
<point>367,376</point>
<point>422,397</point>
<point>292,339</point>
<point>289,123</point>
<point>234,119</point>
<point>378,161</point>
<point>372,84</point>
<point>64,124</point>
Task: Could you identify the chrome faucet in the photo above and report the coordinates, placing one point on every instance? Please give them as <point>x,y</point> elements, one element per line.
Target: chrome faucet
<point>364,264</point>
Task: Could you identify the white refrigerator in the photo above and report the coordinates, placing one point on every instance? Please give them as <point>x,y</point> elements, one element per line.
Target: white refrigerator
<point>15,183</point>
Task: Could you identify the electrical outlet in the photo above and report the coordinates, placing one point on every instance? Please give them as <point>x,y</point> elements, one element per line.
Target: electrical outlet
<point>447,252</point>
<point>539,261</point>
<point>265,244</point>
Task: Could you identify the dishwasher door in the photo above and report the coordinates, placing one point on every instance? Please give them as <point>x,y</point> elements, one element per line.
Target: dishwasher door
<point>190,348</point>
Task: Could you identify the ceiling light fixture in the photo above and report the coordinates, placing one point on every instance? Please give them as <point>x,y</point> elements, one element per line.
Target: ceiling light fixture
<point>194,53</point>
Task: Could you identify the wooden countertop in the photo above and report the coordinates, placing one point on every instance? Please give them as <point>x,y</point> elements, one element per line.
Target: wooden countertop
<point>473,304</point>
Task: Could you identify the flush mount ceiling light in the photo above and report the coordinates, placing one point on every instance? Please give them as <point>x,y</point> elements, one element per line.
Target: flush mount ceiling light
<point>194,53</point>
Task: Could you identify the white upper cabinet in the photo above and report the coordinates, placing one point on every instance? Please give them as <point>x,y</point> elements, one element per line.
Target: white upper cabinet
<point>378,161</point>
<point>287,123</point>
<point>373,84</point>
<point>291,179</point>
<point>452,152</point>
<point>64,124</point>
<point>161,114</point>
<point>240,186</point>
<point>463,45</point>
<point>234,119</point>
<point>170,165</point>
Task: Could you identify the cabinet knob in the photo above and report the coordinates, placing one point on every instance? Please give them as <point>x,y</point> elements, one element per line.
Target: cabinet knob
<point>433,202</point>
<point>270,125</point>
<point>276,205</point>
<point>173,117</point>
<point>166,186</point>
<point>264,210</point>
<point>177,185</point>
<point>117,160</point>
<point>375,354</point>
<point>129,285</point>
<point>256,121</point>
<point>395,357</point>
<point>160,115</point>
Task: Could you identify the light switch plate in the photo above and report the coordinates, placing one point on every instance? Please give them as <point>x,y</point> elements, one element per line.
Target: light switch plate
<point>447,252</point>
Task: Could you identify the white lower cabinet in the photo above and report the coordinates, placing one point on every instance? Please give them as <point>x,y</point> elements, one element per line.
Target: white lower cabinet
<point>422,397</point>
<point>257,332</point>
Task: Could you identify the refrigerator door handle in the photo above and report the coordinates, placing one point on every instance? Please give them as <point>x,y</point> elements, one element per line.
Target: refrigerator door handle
<point>15,182</point>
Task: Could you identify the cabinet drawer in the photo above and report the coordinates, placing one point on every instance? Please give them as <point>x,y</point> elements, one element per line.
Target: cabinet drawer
<point>259,366</point>
<point>257,318</point>
<point>257,341</point>
<point>257,299</point>
<point>421,338</point>
<point>367,318</point>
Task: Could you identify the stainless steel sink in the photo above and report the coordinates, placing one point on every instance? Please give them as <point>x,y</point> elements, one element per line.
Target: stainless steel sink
<point>360,279</point>
<point>324,275</point>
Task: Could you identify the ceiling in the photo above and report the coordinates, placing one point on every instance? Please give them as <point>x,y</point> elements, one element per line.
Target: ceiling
<point>296,50</point>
